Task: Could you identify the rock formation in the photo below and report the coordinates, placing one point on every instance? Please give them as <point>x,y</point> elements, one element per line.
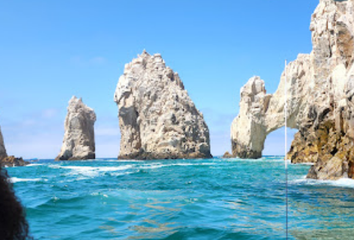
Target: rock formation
<point>227,155</point>
<point>157,118</point>
<point>320,90</point>
<point>9,161</point>
<point>12,161</point>
<point>79,137</point>
<point>3,153</point>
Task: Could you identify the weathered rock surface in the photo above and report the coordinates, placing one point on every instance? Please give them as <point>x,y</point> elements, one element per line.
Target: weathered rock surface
<point>79,137</point>
<point>227,155</point>
<point>157,118</point>
<point>320,103</point>
<point>3,153</point>
<point>12,161</point>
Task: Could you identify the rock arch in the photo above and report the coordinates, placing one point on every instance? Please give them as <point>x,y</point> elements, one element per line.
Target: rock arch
<point>262,113</point>
<point>320,90</point>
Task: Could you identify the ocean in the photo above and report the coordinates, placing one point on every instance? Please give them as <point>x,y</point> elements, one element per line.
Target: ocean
<point>181,199</point>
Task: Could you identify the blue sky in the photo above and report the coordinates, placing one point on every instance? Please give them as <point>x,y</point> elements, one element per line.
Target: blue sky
<point>51,50</point>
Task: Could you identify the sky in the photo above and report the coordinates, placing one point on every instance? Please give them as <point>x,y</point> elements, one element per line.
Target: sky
<point>52,50</point>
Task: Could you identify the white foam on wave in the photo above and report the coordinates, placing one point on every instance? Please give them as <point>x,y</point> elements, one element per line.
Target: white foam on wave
<point>343,182</point>
<point>255,160</point>
<point>101,169</point>
<point>159,165</point>
<point>308,164</point>
<point>55,166</point>
<point>94,171</point>
<point>34,164</point>
<point>15,179</point>
<point>118,161</point>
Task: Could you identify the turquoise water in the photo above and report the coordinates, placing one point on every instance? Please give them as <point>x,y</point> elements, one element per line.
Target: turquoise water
<point>181,199</point>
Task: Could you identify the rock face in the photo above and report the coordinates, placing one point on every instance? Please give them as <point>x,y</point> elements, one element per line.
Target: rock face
<point>320,103</point>
<point>227,155</point>
<point>79,138</point>
<point>157,118</point>
<point>12,161</point>
<point>3,153</point>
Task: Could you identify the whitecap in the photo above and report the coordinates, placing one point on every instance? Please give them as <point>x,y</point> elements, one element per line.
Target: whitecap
<point>15,179</point>
<point>94,171</point>
<point>307,163</point>
<point>343,182</point>
<point>119,161</point>
<point>34,165</point>
<point>55,166</point>
<point>255,160</point>
<point>157,165</point>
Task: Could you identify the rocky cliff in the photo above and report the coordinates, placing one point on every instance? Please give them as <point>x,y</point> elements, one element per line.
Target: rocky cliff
<point>3,153</point>
<point>79,138</point>
<point>157,118</point>
<point>320,90</point>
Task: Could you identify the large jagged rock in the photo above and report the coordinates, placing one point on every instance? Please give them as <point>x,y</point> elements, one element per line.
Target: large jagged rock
<point>79,137</point>
<point>157,118</point>
<point>320,90</point>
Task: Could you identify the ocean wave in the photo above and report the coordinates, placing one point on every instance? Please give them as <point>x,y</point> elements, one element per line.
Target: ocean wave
<point>343,182</point>
<point>158,165</point>
<point>94,171</point>
<point>100,169</point>
<point>55,166</point>
<point>34,164</point>
<point>255,160</point>
<point>15,179</point>
<point>118,161</point>
<point>307,163</point>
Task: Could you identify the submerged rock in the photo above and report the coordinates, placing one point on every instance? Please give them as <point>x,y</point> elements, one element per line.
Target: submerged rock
<point>320,103</point>
<point>79,137</point>
<point>157,118</point>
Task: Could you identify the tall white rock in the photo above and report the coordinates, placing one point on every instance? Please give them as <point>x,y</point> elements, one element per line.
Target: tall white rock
<point>79,137</point>
<point>157,118</point>
<point>320,99</point>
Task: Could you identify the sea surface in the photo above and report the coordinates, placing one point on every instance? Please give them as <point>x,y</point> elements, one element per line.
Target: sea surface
<point>181,199</point>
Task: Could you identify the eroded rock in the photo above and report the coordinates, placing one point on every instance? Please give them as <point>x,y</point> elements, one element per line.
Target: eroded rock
<point>11,161</point>
<point>157,118</point>
<point>3,153</point>
<point>320,104</point>
<point>79,138</point>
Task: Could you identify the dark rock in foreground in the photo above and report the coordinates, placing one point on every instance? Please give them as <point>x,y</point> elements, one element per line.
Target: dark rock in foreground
<point>12,161</point>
